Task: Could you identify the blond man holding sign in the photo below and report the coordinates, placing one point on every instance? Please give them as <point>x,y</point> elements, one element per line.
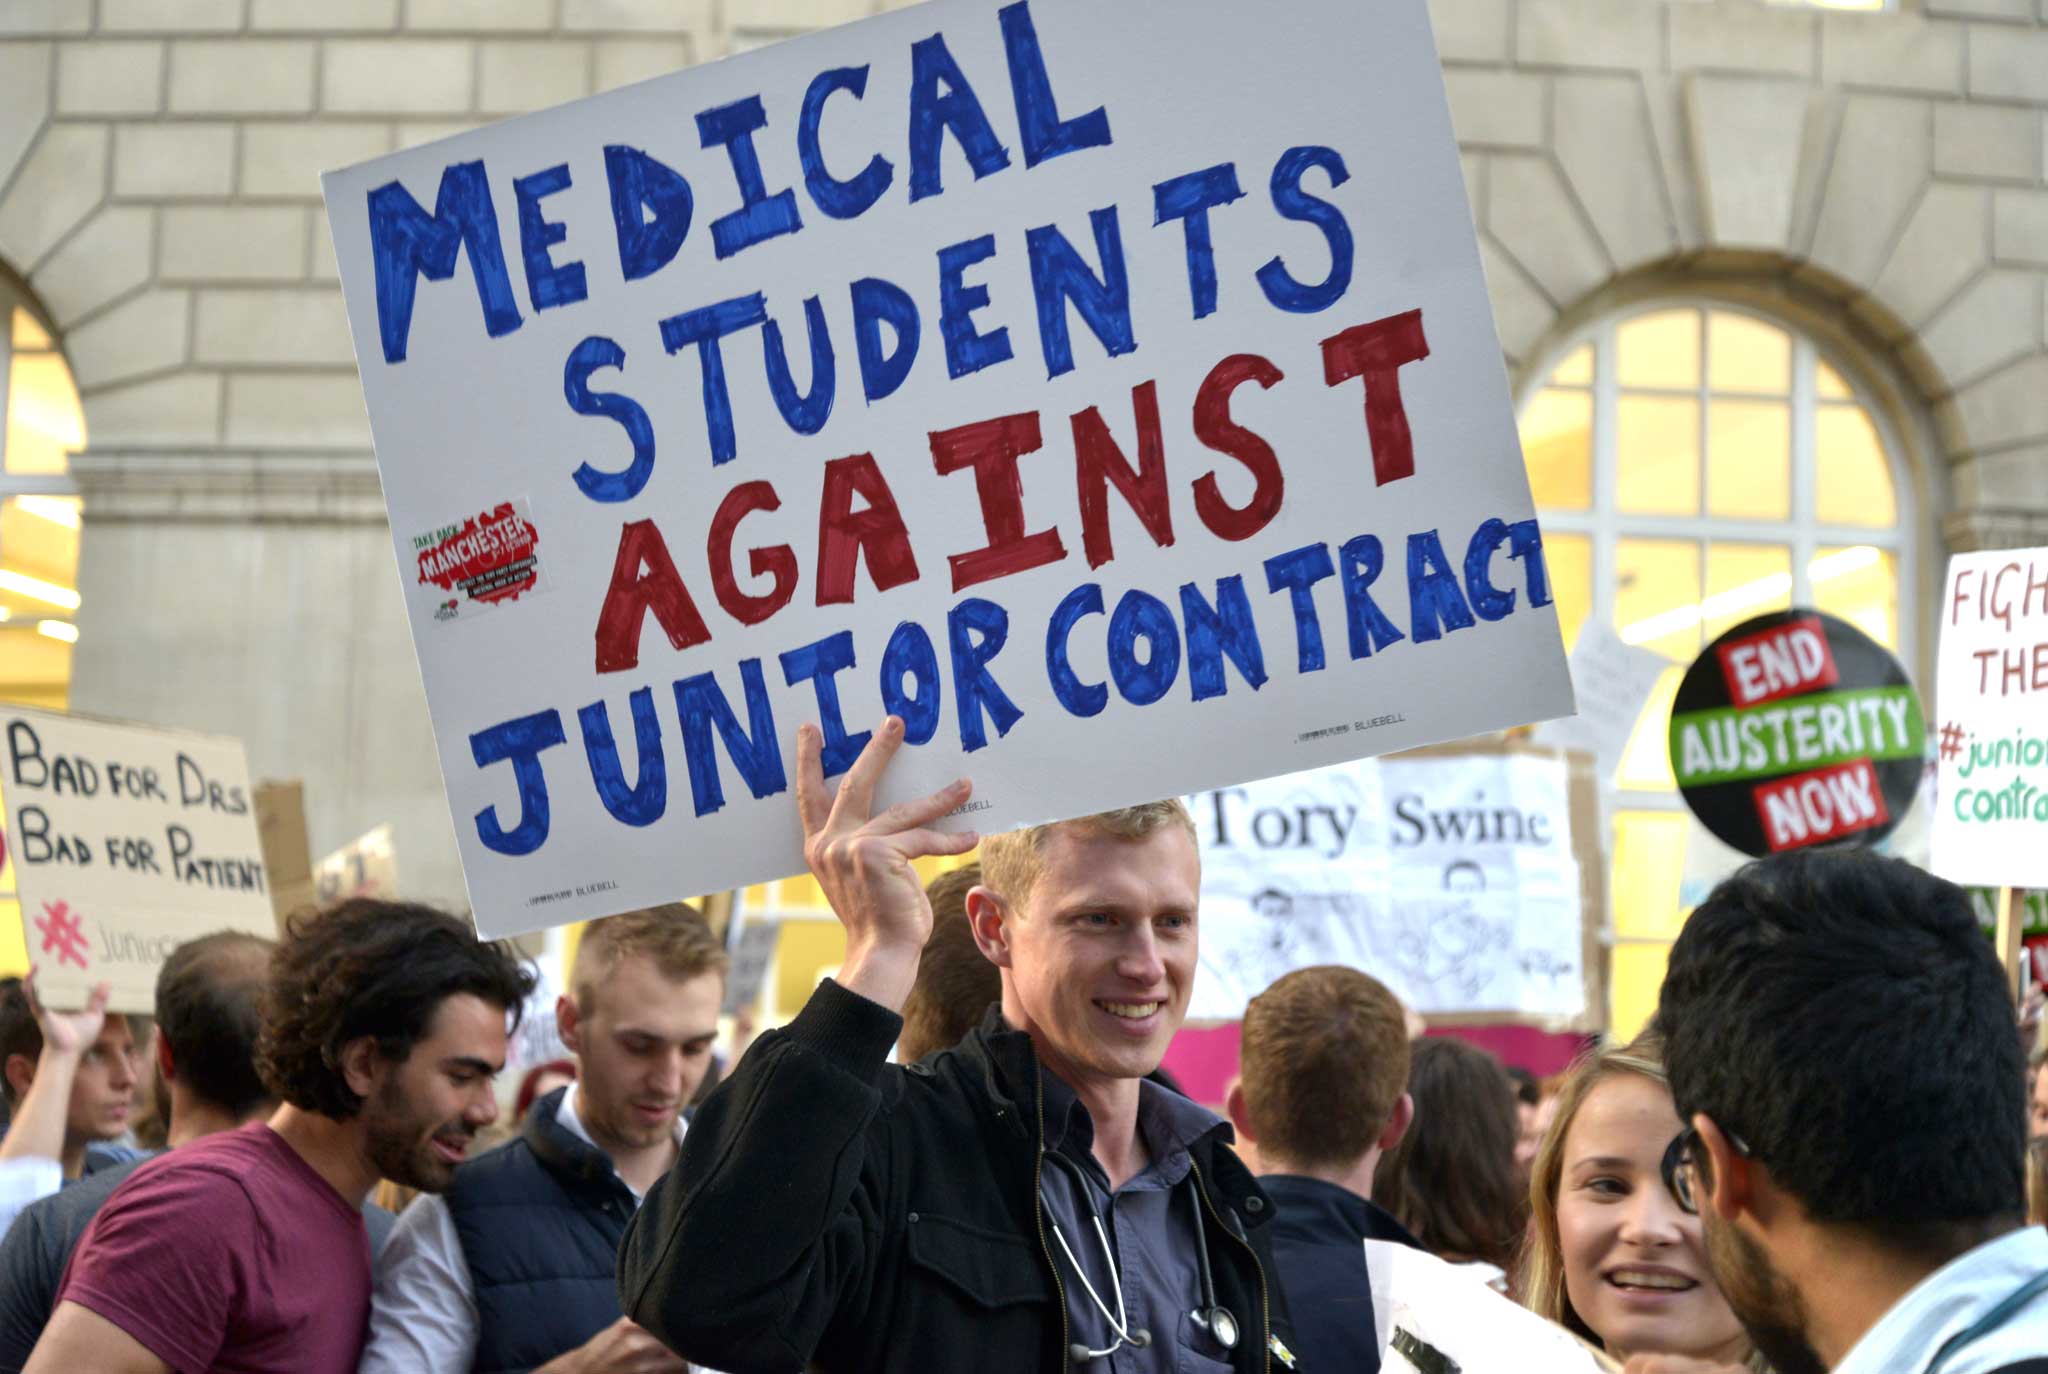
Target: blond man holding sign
<point>1026,1196</point>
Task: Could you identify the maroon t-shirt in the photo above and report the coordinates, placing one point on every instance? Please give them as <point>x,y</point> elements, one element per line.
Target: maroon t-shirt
<point>230,1254</point>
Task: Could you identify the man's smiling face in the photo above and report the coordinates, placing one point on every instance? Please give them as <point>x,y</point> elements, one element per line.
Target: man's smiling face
<point>1102,953</point>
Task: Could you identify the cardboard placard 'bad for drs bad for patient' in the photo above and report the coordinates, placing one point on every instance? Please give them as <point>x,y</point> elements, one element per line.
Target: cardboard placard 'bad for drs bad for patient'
<point>127,841</point>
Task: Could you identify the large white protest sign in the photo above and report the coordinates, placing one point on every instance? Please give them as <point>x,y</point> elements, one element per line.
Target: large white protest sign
<point>1111,391</point>
<point>127,841</point>
<point>1991,704</point>
<point>1450,877</point>
<point>1611,679</point>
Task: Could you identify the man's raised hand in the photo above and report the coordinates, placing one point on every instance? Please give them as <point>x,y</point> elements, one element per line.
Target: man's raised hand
<point>37,1130</point>
<point>862,861</point>
<point>69,1032</point>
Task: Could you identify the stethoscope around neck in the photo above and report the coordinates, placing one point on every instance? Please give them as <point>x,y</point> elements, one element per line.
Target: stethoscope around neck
<point>1211,1316</point>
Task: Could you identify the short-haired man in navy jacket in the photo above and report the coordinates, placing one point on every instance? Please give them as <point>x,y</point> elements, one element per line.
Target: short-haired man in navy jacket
<point>1024,1201</point>
<point>1324,1095</point>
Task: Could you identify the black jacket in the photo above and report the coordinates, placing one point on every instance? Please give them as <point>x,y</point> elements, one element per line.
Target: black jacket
<point>540,1219</point>
<point>829,1207</point>
<point>1318,1235</point>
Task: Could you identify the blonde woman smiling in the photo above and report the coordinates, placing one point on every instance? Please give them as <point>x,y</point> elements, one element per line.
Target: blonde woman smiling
<point>1610,1255</point>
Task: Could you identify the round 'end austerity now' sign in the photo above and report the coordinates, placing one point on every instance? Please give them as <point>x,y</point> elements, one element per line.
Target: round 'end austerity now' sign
<point>1797,729</point>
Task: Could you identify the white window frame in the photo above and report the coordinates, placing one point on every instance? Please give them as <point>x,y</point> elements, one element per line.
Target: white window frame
<point>12,483</point>
<point>1882,7</point>
<point>1603,525</point>
<point>22,484</point>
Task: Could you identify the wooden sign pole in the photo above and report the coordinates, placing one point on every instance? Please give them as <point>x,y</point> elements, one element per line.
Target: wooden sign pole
<point>2011,917</point>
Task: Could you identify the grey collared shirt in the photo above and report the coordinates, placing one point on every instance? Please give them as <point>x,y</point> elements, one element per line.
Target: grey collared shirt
<point>1149,1227</point>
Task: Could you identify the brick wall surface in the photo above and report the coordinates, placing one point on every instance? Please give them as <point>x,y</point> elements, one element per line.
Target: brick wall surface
<point>159,193</point>
<point>160,161</point>
<point>159,164</point>
<point>1893,163</point>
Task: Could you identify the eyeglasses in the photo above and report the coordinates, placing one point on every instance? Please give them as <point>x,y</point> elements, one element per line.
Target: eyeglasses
<point>1680,1166</point>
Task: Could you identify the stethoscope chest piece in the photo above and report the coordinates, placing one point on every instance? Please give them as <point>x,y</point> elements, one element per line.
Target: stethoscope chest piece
<point>1218,1322</point>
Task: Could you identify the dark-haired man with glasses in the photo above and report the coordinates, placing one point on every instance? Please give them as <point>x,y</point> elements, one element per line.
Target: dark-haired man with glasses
<point>1680,1177</point>
<point>1842,1047</point>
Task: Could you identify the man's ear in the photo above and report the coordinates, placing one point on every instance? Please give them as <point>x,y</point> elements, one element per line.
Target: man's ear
<point>1398,1122</point>
<point>362,1067</point>
<point>21,1071</point>
<point>1234,1108</point>
<point>988,916</point>
<point>1730,1187</point>
<point>569,1023</point>
<point>165,1064</point>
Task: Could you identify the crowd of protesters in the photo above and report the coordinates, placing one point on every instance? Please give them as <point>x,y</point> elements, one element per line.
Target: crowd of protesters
<point>963,1152</point>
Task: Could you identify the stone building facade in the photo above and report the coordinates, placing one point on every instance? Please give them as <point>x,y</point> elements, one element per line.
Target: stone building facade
<point>1875,181</point>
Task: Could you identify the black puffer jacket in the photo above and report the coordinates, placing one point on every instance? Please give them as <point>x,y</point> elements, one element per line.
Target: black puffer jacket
<point>832,1209</point>
<point>540,1219</point>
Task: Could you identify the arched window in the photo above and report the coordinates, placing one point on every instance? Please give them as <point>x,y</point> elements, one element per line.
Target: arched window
<point>41,425</point>
<point>1694,465</point>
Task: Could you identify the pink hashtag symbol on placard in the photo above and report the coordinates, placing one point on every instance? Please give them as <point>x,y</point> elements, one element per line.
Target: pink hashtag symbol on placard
<point>62,933</point>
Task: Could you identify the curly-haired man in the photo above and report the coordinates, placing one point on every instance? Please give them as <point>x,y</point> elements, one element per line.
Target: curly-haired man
<point>383,1026</point>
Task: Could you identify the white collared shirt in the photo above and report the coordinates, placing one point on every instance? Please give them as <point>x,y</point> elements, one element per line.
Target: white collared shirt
<point>423,1317</point>
<point>27,1179</point>
<point>1950,1300</point>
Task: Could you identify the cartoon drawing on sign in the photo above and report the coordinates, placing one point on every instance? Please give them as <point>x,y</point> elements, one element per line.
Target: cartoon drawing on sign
<point>1298,916</point>
<point>1293,933</point>
<point>63,933</point>
<point>1446,945</point>
<point>1413,869</point>
<point>1484,912</point>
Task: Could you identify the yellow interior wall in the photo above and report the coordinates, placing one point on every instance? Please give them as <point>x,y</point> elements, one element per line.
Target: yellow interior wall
<point>13,949</point>
<point>806,949</point>
<point>812,939</point>
<point>1638,977</point>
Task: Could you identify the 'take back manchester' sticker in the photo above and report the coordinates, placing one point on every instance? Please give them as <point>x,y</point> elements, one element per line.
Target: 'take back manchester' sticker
<point>488,560</point>
<point>1797,729</point>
